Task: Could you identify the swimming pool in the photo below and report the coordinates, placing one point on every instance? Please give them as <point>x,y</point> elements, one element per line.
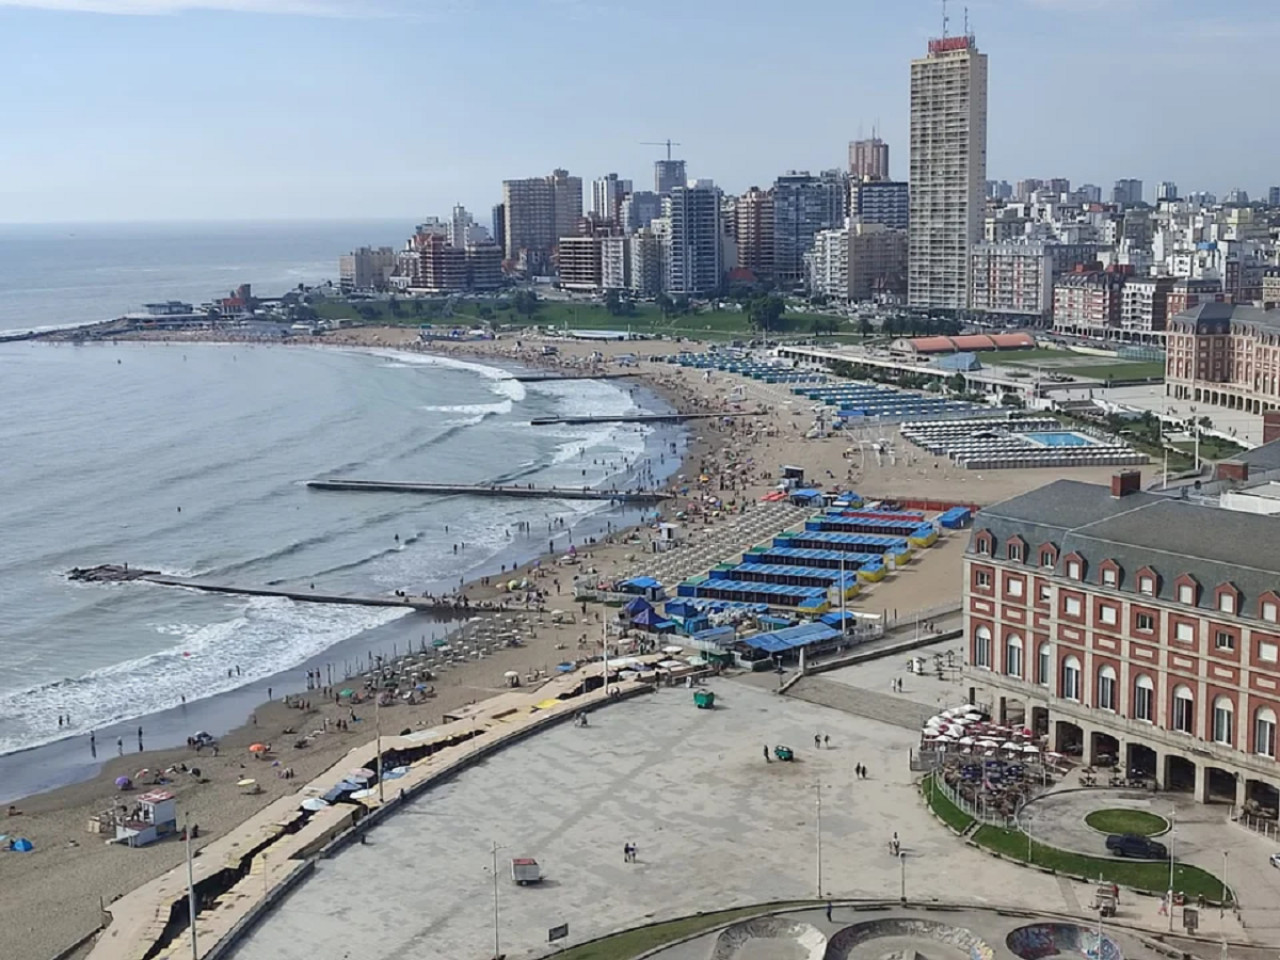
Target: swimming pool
<point>1062,438</point>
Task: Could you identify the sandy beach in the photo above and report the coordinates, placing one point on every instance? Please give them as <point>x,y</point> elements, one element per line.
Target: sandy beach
<point>53,897</point>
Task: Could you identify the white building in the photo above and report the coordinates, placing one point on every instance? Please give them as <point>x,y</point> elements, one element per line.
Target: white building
<point>615,263</point>
<point>648,268</point>
<point>828,263</point>
<point>607,194</point>
<point>948,170</point>
<point>1011,279</point>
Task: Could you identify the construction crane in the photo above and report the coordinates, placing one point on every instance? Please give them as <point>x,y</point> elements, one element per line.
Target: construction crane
<point>661,143</point>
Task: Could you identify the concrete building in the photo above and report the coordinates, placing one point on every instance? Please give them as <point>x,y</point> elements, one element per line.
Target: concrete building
<point>578,263</point>
<point>439,267</point>
<point>753,231</point>
<point>463,230</point>
<point>484,267</point>
<point>1013,280</point>
<point>1273,197</point>
<point>1090,193</point>
<point>868,159</point>
<point>877,262</point>
<point>1271,287</point>
<point>1144,307</point>
<point>694,258</point>
<point>803,204</point>
<point>1126,193</point>
<point>667,175</point>
<point>607,194</point>
<point>1135,627</point>
<point>1186,293</point>
<point>366,268</point>
<point>1087,304</point>
<point>648,268</point>
<point>1225,355</point>
<point>639,209</point>
<point>881,201</point>
<point>828,264</point>
<point>948,170</point>
<point>615,263</point>
<point>539,211</point>
<point>1166,191</point>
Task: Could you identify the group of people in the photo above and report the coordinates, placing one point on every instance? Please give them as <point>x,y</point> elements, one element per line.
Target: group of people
<point>628,852</point>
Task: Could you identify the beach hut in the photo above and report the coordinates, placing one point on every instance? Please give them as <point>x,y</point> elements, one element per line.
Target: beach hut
<point>646,587</point>
<point>637,605</point>
<point>649,621</point>
<point>152,816</point>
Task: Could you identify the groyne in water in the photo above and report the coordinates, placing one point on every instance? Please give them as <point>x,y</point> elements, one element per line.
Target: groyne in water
<point>491,490</point>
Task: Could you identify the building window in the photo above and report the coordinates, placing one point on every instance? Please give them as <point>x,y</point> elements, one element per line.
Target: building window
<point>1186,594</point>
<point>1227,601</point>
<point>1071,679</point>
<point>1073,569</point>
<point>1184,710</point>
<point>1224,640</point>
<point>984,545</point>
<point>1106,688</point>
<point>1013,655</point>
<point>1013,586</point>
<point>1109,577</point>
<point>1015,551</point>
<point>1144,695</point>
<point>1071,606</point>
<point>982,648</point>
<point>1266,652</point>
<point>1045,592</point>
<point>1269,611</point>
<point>1107,614</point>
<point>1223,710</point>
<point>1046,559</point>
<point>1147,586</point>
<point>1042,667</point>
<point>1264,732</point>
<point>1145,623</point>
<point>982,578</point>
<point>1185,632</point>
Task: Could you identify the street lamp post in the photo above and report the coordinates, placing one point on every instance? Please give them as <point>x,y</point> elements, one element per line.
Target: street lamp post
<point>497,945</point>
<point>902,870</point>
<point>1222,905</point>
<point>1173,833</point>
<point>191,889</point>
<point>818,851</point>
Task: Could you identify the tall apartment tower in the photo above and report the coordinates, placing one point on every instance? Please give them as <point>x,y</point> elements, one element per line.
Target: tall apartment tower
<point>694,259</point>
<point>803,204</point>
<point>668,174</point>
<point>868,159</point>
<point>538,212</point>
<point>607,194</point>
<point>754,232</point>
<point>948,170</point>
<point>1127,192</point>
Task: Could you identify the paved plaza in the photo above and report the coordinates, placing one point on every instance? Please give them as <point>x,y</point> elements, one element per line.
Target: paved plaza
<point>714,825</point>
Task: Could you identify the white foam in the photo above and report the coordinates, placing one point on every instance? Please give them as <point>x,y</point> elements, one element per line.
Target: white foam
<point>266,635</point>
<point>502,406</point>
<point>501,382</point>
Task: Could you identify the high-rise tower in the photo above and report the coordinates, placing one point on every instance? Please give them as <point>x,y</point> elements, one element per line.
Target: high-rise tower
<point>948,170</point>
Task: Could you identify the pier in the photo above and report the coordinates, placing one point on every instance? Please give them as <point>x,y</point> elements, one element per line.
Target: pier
<point>491,490</point>
<point>547,377</point>
<point>114,573</point>
<point>642,418</point>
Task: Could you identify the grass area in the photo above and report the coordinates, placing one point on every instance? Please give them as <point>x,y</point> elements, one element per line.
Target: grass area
<point>1116,820</point>
<point>632,943</point>
<point>1211,448</point>
<point>951,815</point>
<point>1038,356</point>
<point>1149,875</point>
<point>1135,370</point>
<point>646,318</point>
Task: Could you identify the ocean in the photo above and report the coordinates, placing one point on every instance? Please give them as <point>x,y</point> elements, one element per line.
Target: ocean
<point>192,459</point>
<point>67,273</point>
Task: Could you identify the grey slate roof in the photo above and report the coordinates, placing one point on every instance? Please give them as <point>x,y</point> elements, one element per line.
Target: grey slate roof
<point>1265,457</point>
<point>1208,316</point>
<point>1171,536</point>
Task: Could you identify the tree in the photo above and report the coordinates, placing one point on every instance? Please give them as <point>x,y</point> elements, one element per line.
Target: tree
<point>682,305</point>
<point>763,313</point>
<point>612,303</point>
<point>1013,401</point>
<point>526,302</point>
<point>666,306</point>
<point>485,312</point>
<point>393,305</point>
<point>956,383</point>
<point>864,326</point>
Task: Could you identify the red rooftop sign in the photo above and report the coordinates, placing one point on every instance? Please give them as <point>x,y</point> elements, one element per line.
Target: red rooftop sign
<point>947,44</point>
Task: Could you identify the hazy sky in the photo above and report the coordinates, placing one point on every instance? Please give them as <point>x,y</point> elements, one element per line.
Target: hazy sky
<point>189,109</point>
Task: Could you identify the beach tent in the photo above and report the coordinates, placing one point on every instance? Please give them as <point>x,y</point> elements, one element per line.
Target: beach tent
<point>21,845</point>
<point>650,620</point>
<point>637,605</point>
<point>646,587</point>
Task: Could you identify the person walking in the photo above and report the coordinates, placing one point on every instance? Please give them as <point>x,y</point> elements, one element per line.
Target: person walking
<point>828,911</point>
<point>766,754</point>
<point>826,741</point>
<point>120,746</point>
<point>817,741</point>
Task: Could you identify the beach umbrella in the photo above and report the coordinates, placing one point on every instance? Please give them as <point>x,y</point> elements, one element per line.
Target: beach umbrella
<point>564,667</point>
<point>1030,748</point>
<point>21,845</point>
<point>362,794</point>
<point>395,774</point>
<point>966,741</point>
<point>673,648</point>
<point>124,783</point>
<point>313,804</point>
<point>363,772</point>
<point>1010,745</point>
<point>348,785</point>
<point>258,748</point>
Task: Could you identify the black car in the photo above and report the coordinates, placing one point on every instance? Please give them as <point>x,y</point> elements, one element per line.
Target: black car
<point>1132,845</point>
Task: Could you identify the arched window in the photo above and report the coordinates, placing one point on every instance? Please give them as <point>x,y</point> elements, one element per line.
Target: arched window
<point>1223,717</point>
<point>1184,710</point>
<point>1071,679</point>
<point>1106,688</point>
<point>1013,655</point>
<point>1144,699</point>
<point>1042,667</point>
<point>982,647</point>
<point>1264,732</point>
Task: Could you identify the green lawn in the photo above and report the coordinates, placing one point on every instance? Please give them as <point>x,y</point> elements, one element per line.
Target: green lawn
<point>1137,370</point>
<point>1149,875</point>
<point>1030,358</point>
<point>632,943</point>
<point>1116,820</point>
<point>951,815</point>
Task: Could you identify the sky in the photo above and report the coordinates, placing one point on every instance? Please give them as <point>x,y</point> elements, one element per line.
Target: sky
<point>291,109</point>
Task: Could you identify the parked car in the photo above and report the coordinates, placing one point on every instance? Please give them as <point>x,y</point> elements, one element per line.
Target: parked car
<point>1132,845</point>
<point>1275,859</point>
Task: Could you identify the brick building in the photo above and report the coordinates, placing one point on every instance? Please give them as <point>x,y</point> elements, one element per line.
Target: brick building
<point>1130,625</point>
<point>1225,355</point>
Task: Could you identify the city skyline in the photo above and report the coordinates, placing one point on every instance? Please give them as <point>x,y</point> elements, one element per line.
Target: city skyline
<point>300,120</point>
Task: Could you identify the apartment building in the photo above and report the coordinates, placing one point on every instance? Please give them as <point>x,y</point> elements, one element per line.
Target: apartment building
<point>694,247</point>
<point>753,231</point>
<point>948,170</point>
<point>877,264</point>
<point>1013,280</point>
<point>615,263</point>
<point>868,159</point>
<point>539,211</point>
<point>1132,628</point>
<point>578,263</point>
<point>366,268</point>
<point>881,201</point>
<point>1088,304</point>
<point>803,204</point>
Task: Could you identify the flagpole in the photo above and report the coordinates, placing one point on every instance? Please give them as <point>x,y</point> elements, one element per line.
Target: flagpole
<point>191,889</point>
